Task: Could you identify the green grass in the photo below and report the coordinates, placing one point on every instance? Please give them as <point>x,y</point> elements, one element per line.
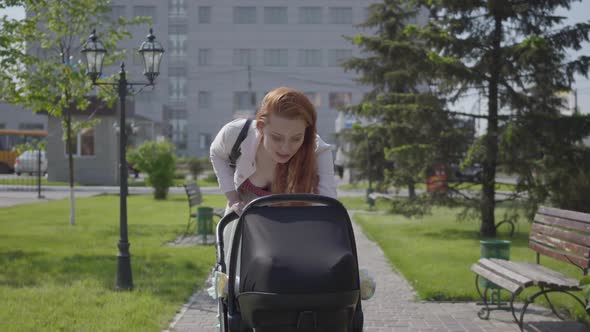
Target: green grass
<point>434,253</point>
<point>31,181</point>
<point>422,186</point>
<point>56,277</point>
<point>177,183</point>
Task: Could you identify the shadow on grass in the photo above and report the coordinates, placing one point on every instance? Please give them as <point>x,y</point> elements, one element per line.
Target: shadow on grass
<point>154,274</point>
<point>518,240</point>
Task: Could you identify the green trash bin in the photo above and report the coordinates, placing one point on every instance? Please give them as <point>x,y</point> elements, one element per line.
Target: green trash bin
<point>493,249</point>
<point>204,220</point>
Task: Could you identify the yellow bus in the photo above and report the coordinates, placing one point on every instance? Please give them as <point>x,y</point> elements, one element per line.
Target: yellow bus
<point>9,139</point>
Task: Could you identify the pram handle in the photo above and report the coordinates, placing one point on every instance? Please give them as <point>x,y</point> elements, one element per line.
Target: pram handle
<point>285,198</point>
<point>219,235</point>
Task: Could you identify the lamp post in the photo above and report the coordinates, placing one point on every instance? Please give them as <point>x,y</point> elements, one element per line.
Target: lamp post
<point>95,52</point>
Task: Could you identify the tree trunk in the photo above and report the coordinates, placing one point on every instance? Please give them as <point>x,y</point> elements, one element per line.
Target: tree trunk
<point>412,190</point>
<point>488,203</point>
<point>70,166</point>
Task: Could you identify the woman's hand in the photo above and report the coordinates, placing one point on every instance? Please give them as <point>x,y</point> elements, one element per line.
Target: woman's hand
<point>234,202</point>
<point>238,207</point>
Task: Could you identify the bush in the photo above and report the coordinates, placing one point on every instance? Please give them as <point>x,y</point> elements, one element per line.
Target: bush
<point>211,177</point>
<point>195,167</point>
<point>157,160</point>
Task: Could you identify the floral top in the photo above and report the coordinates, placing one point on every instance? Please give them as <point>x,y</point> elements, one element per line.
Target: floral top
<point>248,186</point>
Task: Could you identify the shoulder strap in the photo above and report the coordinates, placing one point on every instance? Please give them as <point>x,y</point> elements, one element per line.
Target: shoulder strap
<point>236,152</point>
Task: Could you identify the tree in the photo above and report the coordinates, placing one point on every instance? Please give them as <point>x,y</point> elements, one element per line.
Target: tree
<point>514,53</point>
<point>158,161</point>
<point>407,129</point>
<point>37,58</point>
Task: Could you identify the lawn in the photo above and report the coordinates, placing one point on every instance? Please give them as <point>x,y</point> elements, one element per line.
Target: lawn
<point>422,186</point>
<point>56,277</point>
<point>32,181</point>
<point>434,253</point>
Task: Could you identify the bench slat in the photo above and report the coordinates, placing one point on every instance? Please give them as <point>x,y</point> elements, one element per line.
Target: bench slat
<point>560,245</point>
<point>195,201</point>
<point>568,214</point>
<point>492,264</point>
<point>495,278</point>
<point>538,277</point>
<point>565,280</point>
<point>563,223</point>
<point>580,261</point>
<point>581,239</point>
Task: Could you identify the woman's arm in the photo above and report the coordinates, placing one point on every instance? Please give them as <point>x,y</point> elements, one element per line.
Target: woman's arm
<point>219,154</point>
<point>327,183</point>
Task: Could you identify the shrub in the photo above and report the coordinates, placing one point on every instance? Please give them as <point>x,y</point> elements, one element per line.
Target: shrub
<point>211,177</point>
<point>157,160</point>
<point>196,166</point>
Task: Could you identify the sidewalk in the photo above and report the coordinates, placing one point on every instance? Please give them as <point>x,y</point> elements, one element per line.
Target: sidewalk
<point>394,308</point>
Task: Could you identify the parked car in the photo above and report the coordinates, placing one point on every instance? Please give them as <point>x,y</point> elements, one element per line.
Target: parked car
<point>28,162</point>
<point>473,173</point>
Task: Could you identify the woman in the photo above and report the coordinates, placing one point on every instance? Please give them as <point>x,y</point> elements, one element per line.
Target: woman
<point>282,152</point>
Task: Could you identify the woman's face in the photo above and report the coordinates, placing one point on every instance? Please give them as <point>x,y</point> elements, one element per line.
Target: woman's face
<point>282,137</point>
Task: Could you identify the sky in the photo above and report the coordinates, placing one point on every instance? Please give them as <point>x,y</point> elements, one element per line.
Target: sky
<point>578,13</point>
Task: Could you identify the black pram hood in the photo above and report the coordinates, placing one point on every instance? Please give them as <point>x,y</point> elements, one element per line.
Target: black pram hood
<point>294,250</point>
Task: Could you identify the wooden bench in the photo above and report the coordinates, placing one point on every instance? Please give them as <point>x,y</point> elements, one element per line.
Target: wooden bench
<point>560,234</point>
<point>193,194</point>
<point>195,198</point>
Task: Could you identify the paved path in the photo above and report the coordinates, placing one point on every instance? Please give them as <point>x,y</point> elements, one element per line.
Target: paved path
<point>394,308</point>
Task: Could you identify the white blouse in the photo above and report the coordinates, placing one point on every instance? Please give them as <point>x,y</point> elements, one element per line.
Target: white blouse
<point>246,166</point>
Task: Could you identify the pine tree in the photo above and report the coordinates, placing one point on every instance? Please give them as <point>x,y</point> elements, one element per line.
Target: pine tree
<point>407,129</point>
<point>515,54</point>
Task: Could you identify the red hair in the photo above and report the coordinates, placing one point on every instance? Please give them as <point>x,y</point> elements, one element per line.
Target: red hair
<point>299,174</point>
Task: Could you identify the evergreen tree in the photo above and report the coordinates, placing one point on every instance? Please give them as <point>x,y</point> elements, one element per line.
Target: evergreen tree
<point>515,54</point>
<point>407,129</point>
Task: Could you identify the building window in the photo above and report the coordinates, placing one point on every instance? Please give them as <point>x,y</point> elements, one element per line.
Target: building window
<point>276,57</point>
<point>314,97</point>
<point>335,57</point>
<point>177,87</point>
<point>244,57</point>
<point>275,15</point>
<point>340,99</point>
<point>82,143</point>
<point>204,141</point>
<point>177,8</point>
<point>204,99</point>
<point>244,15</point>
<point>340,15</point>
<point>204,58</point>
<point>204,15</point>
<point>310,58</point>
<point>244,100</point>
<point>366,13</point>
<point>177,40</point>
<point>30,126</point>
<point>117,12</point>
<point>177,127</point>
<point>310,15</point>
<point>149,11</point>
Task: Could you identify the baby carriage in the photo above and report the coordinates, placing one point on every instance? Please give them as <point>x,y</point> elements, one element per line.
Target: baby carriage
<point>296,267</point>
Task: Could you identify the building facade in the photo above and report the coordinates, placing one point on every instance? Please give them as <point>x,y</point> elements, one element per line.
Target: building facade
<point>222,56</point>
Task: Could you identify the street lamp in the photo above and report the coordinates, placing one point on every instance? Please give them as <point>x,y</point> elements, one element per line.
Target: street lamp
<point>95,52</point>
